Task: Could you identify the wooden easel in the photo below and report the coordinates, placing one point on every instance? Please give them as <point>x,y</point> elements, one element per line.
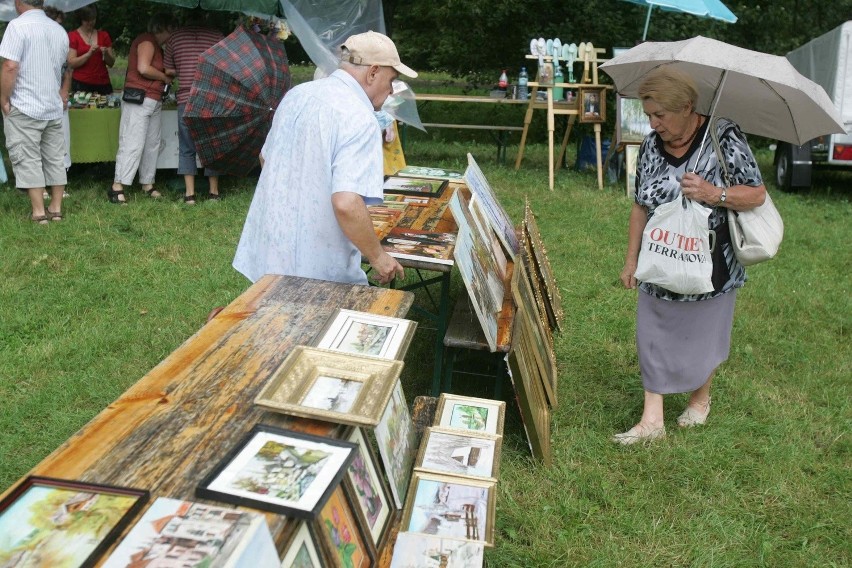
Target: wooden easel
<point>588,79</point>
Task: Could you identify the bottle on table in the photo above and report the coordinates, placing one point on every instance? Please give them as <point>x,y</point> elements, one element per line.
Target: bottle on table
<point>558,92</point>
<point>504,81</point>
<point>523,80</point>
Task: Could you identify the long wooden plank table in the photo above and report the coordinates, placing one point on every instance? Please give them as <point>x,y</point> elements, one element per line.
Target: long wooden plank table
<point>166,432</point>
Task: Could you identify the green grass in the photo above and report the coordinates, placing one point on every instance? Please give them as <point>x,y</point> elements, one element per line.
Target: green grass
<point>89,305</point>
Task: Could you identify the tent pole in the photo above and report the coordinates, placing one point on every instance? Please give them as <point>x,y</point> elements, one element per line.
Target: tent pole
<point>647,21</point>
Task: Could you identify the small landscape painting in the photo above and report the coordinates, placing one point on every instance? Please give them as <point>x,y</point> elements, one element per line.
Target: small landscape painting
<point>330,393</point>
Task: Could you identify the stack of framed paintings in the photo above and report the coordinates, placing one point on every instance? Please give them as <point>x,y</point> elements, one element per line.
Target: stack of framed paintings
<point>540,271</point>
<point>386,216</point>
<point>449,514</point>
<point>416,186</point>
<point>173,532</point>
<point>413,244</point>
<point>497,216</point>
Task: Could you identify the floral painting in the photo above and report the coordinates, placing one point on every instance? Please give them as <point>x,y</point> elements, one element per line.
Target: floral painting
<point>367,485</point>
<point>341,532</point>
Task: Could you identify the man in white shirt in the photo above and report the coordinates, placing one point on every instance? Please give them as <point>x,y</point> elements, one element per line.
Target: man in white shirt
<point>322,166</point>
<point>33,97</point>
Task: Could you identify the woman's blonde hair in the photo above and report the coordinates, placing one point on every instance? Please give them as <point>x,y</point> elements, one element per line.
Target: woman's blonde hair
<point>669,88</point>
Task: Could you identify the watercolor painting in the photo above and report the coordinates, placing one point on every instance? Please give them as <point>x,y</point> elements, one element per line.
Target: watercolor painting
<point>342,535</point>
<point>331,393</point>
<point>414,550</point>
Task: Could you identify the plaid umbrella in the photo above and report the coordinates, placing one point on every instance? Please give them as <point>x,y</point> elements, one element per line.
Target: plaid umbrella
<point>238,85</point>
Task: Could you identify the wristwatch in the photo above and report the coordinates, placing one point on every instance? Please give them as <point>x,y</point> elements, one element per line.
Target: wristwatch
<point>724,196</point>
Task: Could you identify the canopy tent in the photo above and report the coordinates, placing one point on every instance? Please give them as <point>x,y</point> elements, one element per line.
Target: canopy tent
<point>7,7</point>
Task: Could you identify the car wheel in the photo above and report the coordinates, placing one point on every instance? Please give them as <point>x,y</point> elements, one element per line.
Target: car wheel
<point>784,166</point>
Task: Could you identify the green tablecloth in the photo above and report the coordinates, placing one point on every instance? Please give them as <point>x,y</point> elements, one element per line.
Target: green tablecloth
<point>94,134</point>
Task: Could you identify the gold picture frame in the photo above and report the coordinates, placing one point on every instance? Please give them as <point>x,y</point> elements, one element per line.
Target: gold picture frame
<point>461,453</point>
<point>535,412</point>
<point>451,507</point>
<point>470,413</point>
<point>331,386</point>
<point>528,322</point>
<point>361,333</point>
<point>543,270</point>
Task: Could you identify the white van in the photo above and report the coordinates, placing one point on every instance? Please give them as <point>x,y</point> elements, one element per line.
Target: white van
<point>827,61</point>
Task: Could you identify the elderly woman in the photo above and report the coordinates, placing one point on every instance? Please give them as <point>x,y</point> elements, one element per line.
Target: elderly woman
<point>682,339</point>
<point>90,54</point>
<point>139,130</point>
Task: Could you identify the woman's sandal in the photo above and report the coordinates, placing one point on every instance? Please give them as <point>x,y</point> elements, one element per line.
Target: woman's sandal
<point>114,196</point>
<point>214,196</point>
<point>189,199</point>
<point>150,192</point>
<point>53,216</point>
<point>39,219</point>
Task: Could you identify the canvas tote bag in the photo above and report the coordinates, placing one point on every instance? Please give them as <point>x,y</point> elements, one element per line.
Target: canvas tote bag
<point>676,248</point>
<point>756,234</point>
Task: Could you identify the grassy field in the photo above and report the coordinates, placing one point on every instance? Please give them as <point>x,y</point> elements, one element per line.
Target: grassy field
<point>89,305</point>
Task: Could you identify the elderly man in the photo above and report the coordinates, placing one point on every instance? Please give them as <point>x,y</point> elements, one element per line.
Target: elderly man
<point>322,166</point>
<point>32,98</point>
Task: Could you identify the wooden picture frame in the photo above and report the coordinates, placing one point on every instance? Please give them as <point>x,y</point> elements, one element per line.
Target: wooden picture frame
<point>461,453</point>
<point>242,538</point>
<point>303,550</point>
<point>528,321</point>
<point>418,186</point>
<point>540,267</point>
<point>470,414</point>
<point>416,550</point>
<point>592,104</point>
<point>362,333</point>
<point>631,123</point>
<point>331,386</point>
<point>70,507</point>
<point>450,507</point>
<point>395,437</point>
<point>532,403</point>
<point>343,539</point>
<point>314,466</point>
<point>537,285</point>
<point>370,489</point>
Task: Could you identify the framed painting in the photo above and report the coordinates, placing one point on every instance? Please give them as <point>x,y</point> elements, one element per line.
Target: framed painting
<point>470,413</point>
<point>236,538</point>
<point>430,173</point>
<point>57,522</point>
<point>592,104</point>
<point>467,454</point>
<point>331,386</point>
<point>418,186</point>
<point>537,285</point>
<point>450,507</point>
<point>395,437</point>
<point>540,267</point>
<point>500,221</point>
<point>345,542</point>
<point>528,320</point>
<point>302,550</point>
<point>414,244</point>
<point>631,123</point>
<point>366,334</point>
<point>370,490</point>
<point>280,471</point>
<point>532,403</point>
<point>414,550</point>
<point>631,163</point>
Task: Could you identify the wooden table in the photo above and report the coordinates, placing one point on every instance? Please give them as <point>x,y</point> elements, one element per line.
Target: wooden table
<point>434,217</point>
<point>168,431</point>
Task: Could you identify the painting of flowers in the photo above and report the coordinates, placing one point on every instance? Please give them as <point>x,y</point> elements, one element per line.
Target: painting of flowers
<point>368,488</point>
<point>343,538</point>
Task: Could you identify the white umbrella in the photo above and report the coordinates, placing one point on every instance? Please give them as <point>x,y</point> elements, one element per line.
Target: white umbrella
<point>762,93</point>
<point>8,13</point>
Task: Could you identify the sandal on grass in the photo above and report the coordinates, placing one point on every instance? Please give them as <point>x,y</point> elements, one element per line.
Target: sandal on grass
<point>115,195</point>
<point>57,216</point>
<point>189,199</point>
<point>39,219</point>
<point>214,196</point>
<point>151,191</point>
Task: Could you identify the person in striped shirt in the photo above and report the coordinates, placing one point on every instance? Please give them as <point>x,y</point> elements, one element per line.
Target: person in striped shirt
<point>181,54</point>
<point>33,96</point>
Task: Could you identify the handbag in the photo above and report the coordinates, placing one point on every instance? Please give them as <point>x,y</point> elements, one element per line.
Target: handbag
<point>756,233</point>
<point>133,96</point>
<point>675,252</point>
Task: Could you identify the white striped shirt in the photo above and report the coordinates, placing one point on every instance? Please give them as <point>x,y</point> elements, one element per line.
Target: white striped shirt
<point>40,47</point>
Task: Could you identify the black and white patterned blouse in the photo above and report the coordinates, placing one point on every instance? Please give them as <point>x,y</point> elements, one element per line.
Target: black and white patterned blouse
<point>658,175</point>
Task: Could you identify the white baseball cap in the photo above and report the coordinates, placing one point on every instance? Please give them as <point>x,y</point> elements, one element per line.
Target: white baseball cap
<point>371,48</point>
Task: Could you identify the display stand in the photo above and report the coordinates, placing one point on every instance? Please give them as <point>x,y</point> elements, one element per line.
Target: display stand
<point>589,79</point>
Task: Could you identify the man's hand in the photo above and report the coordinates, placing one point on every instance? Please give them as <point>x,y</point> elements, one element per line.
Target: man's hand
<point>386,268</point>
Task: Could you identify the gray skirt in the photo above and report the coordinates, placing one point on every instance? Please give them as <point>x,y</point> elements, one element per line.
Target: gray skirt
<point>681,343</point>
